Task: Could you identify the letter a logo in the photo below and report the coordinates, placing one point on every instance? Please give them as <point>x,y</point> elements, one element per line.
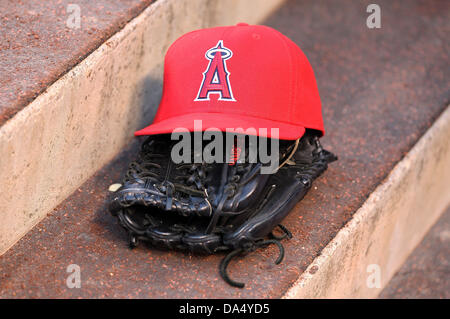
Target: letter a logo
<point>216,75</point>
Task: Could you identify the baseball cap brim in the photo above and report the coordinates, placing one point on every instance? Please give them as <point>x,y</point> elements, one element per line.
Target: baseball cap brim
<point>250,125</point>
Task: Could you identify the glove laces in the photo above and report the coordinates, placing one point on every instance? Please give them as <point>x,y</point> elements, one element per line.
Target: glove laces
<point>249,247</point>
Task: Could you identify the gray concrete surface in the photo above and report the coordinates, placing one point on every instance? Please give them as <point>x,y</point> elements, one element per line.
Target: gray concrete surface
<point>426,272</point>
<point>369,249</point>
<point>41,40</point>
<point>87,116</point>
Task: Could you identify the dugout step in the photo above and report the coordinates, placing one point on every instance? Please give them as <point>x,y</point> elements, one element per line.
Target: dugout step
<point>385,103</point>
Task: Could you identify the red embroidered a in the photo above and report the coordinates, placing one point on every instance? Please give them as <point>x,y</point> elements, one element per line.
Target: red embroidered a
<point>216,75</point>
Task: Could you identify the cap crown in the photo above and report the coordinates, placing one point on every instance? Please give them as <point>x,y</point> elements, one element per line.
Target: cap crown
<point>240,70</point>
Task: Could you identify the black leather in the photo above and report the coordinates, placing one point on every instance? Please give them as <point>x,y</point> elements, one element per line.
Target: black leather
<point>228,207</point>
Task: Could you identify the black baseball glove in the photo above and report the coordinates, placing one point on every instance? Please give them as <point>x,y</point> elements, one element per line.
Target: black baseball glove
<point>212,207</point>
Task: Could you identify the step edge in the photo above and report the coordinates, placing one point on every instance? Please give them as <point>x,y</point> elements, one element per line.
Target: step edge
<point>323,279</point>
<point>13,178</point>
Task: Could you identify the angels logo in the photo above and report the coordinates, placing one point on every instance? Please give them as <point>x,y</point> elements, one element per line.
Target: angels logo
<point>216,75</point>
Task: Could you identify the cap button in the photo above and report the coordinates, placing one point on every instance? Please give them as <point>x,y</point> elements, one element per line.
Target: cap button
<point>242,24</point>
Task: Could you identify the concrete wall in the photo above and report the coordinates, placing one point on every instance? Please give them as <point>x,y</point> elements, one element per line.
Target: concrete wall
<point>368,251</point>
<point>84,119</point>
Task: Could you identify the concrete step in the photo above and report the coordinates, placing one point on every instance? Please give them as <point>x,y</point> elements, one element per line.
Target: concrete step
<point>106,84</point>
<point>425,273</point>
<point>385,99</point>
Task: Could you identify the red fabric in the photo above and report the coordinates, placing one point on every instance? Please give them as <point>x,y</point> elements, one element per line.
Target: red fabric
<point>267,82</point>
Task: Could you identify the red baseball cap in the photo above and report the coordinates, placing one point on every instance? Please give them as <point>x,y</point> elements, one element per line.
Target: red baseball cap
<point>243,76</point>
